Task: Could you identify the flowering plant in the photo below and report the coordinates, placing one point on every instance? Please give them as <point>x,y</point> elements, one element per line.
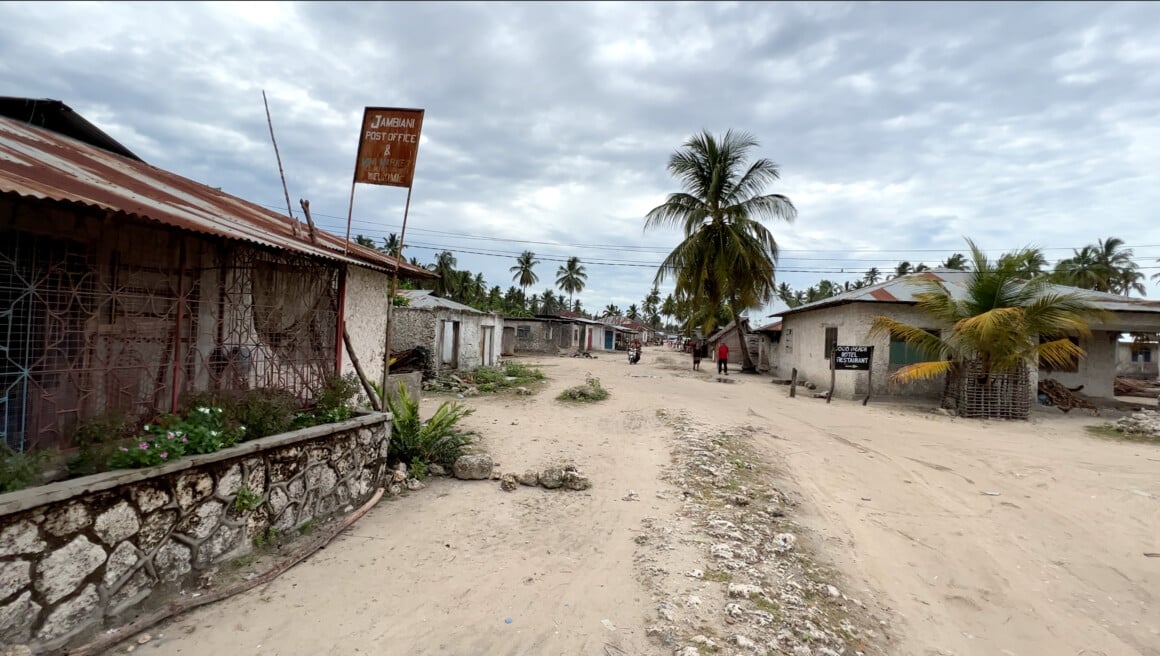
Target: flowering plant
<point>202,430</point>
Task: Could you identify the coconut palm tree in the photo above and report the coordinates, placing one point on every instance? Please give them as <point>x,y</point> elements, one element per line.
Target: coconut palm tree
<point>632,312</point>
<point>727,255</point>
<point>571,277</point>
<point>669,307</point>
<point>444,266</point>
<point>872,276</point>
<point>998,324</point>
<point>1028,262</point>
<point>525,276</point>
<point>785,294</point>
<point>904,268</point>
<point>391,245</point>
<point>957,262</point>
<point>611,311</point>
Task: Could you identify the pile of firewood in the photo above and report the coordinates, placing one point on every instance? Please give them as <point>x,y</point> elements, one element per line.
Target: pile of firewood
<point>1134,387</point>
<point>1061,397</point>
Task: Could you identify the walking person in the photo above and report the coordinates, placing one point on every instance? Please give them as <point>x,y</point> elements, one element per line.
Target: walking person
<point>723,358</point>
<point>697,353</point>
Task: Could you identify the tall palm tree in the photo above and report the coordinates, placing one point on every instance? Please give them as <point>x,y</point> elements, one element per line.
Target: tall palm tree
<point>669,307</point>
<point>391,245</point>
<point>727,255</point>
<point>525,276</point>
<point>1028,262</point>
<point>1082,269</point>
<point>577,307</point>
<point>611,311</point>
<point>872,276</point>
<point>444,266</point>
<point>651,306</point>
<point>957,262</point>
<point>785,294</point>
<point>632,312</point>
<point>571,277</point>
<point>998,324</point>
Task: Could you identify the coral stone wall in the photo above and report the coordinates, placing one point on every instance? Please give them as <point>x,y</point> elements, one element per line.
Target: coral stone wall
<point>83,555</point>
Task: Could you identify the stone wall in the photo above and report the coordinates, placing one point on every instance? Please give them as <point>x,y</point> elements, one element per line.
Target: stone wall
<point>84,555</point>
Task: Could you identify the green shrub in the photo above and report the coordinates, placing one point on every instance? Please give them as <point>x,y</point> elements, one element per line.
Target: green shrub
<point>591,390</point>
<point>435,441</point>
<point>202,430</point>
<point>488,376</point>
<point>19,470</point>
<point>264,412</point>
<point>520,370</point>
<point>96,438</point>
<point>334,399</point>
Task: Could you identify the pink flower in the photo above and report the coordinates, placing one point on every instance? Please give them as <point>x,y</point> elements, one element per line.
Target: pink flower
<point>169,436</point>
<point>143,446</point>
<point>164,455</point>
<point>126,450</point>
<point>184,439</point>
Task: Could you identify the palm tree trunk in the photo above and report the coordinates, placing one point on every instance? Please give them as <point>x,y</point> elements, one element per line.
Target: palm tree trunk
<point>746,361</point>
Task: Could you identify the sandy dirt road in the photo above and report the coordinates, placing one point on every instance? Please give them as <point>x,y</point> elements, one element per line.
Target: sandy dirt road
<point>980,538</point>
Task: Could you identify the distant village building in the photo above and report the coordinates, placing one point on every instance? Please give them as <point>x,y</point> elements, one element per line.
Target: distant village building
<point>124,287</point>
<point>457,336</point>
<point>809,333</point>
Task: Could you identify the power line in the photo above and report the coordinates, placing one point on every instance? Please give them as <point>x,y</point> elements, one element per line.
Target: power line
<point>384,229</point>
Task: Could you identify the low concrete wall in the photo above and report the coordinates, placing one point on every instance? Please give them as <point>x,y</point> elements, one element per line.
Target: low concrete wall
<point>83,555</point>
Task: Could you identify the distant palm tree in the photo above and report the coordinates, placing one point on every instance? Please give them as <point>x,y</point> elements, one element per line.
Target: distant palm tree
<point>392,245</point>
<point>571,277</point>
<point>1028,262</point>
<point>669,307</point>
<point>1105,266</point>
<point>444,266</point>
<point>611,311</point>
<point>632,312</point>
<point>525,276</point>
<point>364,241</point>
<point>577,307</point>
<point>727,256</point>
<point>872,276</point>
<point>904,268</point>
<point>786,295</point>
<point>920,267</point>
<point>997,325</point>
<point>958,262</point>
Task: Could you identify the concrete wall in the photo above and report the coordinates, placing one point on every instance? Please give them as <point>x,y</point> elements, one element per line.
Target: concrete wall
<point>1097,371</point>
<point>425,327</point>
<point>90,554</point>
<point>1125,366</point>
<point>539,338</point>
<point>803,340</point>
<point>366,320</point>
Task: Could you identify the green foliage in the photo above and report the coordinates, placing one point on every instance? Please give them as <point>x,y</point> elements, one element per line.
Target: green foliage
<point>307,528</point>
<point>334,399</point>
<point>590,391</point>
<point>435,441</point>
<point>520,370</point>
<point>96,438</point>
<point>19,470</point>
<point>202,430</point>
<point>418,469</point>
<point>264,412</point>
<point>400,301</point>
<point>246,500</point>
<point>269,536</point>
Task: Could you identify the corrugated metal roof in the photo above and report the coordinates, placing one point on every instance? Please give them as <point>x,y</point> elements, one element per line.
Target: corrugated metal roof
<point>37,163</point>
<point>423,299</point>
<point>905,289</point>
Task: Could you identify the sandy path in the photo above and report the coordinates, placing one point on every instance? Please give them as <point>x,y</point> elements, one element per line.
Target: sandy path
<point>1051,565</point>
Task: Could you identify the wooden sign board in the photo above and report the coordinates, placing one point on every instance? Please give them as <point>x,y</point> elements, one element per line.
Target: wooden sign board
<point>853,358</point>
<point>388,146</point>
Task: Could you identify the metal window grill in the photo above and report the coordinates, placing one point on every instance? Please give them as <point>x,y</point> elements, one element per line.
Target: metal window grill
<point>88,331</point>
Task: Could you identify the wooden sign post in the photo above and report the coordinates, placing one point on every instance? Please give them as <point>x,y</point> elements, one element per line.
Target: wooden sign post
<point>851,358</point>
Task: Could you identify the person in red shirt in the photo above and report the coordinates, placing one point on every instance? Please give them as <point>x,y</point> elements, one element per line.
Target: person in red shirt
<point>723,358</point>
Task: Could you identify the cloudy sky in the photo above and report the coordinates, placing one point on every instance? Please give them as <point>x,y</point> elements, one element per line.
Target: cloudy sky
<point>900,129</point>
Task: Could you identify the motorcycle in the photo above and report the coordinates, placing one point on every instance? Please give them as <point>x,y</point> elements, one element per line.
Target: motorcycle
<point>633,355</point>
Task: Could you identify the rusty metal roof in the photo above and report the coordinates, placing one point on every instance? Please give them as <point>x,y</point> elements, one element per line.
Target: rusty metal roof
<point>37,163</point>
<point>905,289</point>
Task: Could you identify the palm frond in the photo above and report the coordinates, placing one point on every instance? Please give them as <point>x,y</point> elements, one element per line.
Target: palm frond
<point>1059,353</point>
<point>921,371</point>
